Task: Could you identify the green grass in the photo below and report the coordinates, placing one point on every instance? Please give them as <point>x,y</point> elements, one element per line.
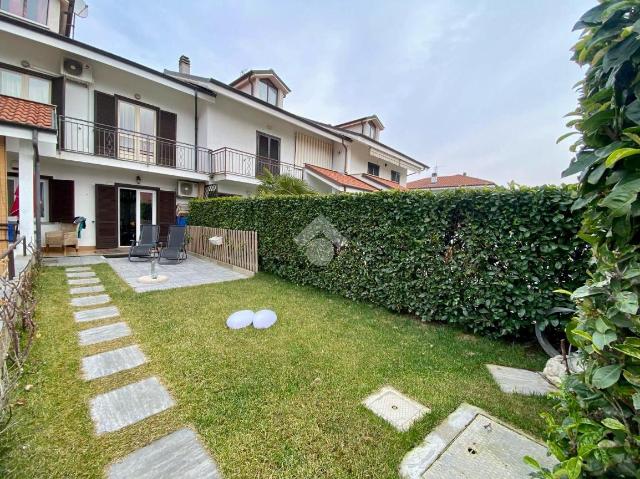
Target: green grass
<point>276,403</point>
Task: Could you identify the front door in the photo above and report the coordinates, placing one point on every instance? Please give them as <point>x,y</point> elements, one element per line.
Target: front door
<point>136,208</point>
<point>77,131</point>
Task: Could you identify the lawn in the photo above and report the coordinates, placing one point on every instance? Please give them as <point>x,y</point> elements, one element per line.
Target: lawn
<point>276,403</point>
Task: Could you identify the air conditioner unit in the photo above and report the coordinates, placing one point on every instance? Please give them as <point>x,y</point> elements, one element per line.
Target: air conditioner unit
<point>77,70</point>
<point>187,189</point>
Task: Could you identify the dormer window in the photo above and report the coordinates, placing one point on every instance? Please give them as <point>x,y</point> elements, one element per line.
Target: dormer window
<point>34,10</point>
<point>369,129</point>
<point>268,92</point>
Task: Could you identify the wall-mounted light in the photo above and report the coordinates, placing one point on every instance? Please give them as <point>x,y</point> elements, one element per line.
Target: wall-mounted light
<point>138,180</point>
<point>137,96</point>
<point>25,63</point>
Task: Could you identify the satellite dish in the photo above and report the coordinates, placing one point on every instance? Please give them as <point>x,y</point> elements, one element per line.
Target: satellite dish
<point>81,9</point>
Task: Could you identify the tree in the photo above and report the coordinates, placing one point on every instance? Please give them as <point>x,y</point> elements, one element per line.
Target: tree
<point>598,434</point>
<point>271,184</point>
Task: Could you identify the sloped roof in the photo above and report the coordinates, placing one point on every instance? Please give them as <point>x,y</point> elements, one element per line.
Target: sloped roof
<point>27,113</point>
<point>385,182</point>
<point>340,178</point>
<point>451,181</point>
<point>270,71</point>
<point>373,118</point>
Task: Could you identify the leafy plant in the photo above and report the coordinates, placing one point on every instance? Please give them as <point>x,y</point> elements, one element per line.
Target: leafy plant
<point>599,433</point>
<point>486,260</point>
<point>271,184</point>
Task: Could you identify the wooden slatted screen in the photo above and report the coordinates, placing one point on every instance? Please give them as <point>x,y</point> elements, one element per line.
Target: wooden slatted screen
<point>313,151</point>
<point>239,248</point>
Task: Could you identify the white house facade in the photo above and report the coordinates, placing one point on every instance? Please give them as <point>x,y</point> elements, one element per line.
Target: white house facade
<point>89,134</point>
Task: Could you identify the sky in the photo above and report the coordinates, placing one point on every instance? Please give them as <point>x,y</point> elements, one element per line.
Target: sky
<point>475,86</point>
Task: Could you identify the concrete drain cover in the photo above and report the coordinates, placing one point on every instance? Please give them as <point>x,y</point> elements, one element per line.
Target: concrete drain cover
<point>394,407</point>
<point>470,444</point>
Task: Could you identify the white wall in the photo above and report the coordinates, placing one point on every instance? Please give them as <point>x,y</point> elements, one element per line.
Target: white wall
<point>85,178</point>
<point>360,157</point>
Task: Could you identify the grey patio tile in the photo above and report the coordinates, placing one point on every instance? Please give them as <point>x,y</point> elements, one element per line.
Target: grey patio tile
<point>95,314</point>
<point>87,289</point>
<point>81,274</point>
<point>127,405</point>
<point>81,281</point>
<point>179,454</point>
<point>73,260</point>
<point>101,334</point>
<point>520,381</point>
<point>76,269</point>
<point>83,301</point>
<point>110,362</point>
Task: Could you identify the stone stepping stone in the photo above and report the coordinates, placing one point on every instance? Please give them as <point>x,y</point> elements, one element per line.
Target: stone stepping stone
<point>87,289</point>
<point>103,333</point>
<point>129,404</point>
<point>470,444</point>
<point>520,381</point>
<point>110,362</point>
<point>80,281</point>
<point>396,408</point>
<point>96,313</point>
<point>75,269</point>
<point>179,454</point>
<point>81,274</point>
<point>90,300</point>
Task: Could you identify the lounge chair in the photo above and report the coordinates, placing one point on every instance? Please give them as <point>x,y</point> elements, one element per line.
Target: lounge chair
<point>175,249</point>
<point>147,244</point>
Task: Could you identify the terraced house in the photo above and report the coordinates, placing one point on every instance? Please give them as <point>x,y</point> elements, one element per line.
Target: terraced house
<point>86,133</point>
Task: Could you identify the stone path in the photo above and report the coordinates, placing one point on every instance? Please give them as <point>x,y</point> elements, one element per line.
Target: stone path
<point>520,381</point>
<point>178,454</point>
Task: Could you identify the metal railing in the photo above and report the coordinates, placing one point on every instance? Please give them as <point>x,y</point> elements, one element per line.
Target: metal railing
<point>81,136</point>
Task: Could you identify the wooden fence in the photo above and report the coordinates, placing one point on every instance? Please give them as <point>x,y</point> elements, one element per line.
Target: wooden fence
<point>238,248</point>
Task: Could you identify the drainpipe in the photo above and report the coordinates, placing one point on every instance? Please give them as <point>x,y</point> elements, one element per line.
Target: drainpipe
<point>69,26</point>
<point>36,179</point>
<point>195,110</point>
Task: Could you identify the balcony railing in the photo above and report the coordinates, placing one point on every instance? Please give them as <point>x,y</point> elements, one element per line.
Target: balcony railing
<point>81,136</point>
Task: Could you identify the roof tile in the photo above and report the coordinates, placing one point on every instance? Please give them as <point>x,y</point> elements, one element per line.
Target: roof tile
<point>452,181</point>
<point>26,112</point>
<point>385,182</point>
<point>340,178</point>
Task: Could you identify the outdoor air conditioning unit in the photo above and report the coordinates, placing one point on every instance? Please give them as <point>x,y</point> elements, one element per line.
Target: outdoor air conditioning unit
<point>77,70</point>
<point>187,189</point>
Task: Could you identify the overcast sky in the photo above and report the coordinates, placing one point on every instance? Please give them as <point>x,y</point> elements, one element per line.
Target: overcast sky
<point>476,86</point>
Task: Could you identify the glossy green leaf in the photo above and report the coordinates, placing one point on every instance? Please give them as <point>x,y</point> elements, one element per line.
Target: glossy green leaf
<point>619,154</point>
<point>606,376</point>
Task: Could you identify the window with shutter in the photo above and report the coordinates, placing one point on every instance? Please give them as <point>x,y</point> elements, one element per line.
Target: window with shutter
<point>106,217</point>
<point>166,212</point>
<point>167,124</point>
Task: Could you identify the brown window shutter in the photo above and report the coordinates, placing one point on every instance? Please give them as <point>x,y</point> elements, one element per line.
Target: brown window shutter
<point>166,212</point>
<point>106,217</point>
<point>104,137</point>
<point>57,98</point>
<point>61,201</point>
<point>167,125</point>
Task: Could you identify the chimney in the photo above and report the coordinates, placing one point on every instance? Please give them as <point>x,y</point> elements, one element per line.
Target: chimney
<point>434,177</point>
<point>464,173</point>
<point>184,65</point>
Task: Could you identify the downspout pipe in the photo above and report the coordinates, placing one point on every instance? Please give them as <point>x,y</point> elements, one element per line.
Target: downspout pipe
<point>195,112</point>
<point>69,26</point>
<point>38,195</point>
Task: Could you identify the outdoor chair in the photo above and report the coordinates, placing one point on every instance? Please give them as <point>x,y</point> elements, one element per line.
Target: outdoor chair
<point>65,236</point>
<point>147,244</point>
<point>175,249</point>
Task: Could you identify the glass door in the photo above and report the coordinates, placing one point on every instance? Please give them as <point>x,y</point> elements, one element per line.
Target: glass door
<point>136,208</point>
<point>268,154</point>
<point>136,132</point>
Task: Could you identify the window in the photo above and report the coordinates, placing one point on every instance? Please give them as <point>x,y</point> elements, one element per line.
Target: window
<point>136,139</point>
<point>395,176</point>
<point>34,10</point>
<point>369,129</point>
<point>12,186</point>
<point>267,92</point>
<point>268,154</point>
<point>22,85</point>
<point>373,169</point>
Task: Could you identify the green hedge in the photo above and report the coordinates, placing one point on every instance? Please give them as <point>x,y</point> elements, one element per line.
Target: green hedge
<point>487,260</point>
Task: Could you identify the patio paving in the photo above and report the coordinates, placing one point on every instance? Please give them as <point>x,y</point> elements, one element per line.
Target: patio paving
<point>192,272</point>
<point>520,381</point>
<point>101,334</point>
<point>95,314</point>
<point>85,301</point>
<point>86,289</point>
<point>111,362</point>
<point>72,261</point>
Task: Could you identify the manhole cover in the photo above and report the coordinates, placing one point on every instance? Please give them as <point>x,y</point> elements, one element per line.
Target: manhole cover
<point>396,408</point>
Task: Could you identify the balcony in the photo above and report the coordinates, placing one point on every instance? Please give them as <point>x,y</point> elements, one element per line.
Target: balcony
<point>88,138</point>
